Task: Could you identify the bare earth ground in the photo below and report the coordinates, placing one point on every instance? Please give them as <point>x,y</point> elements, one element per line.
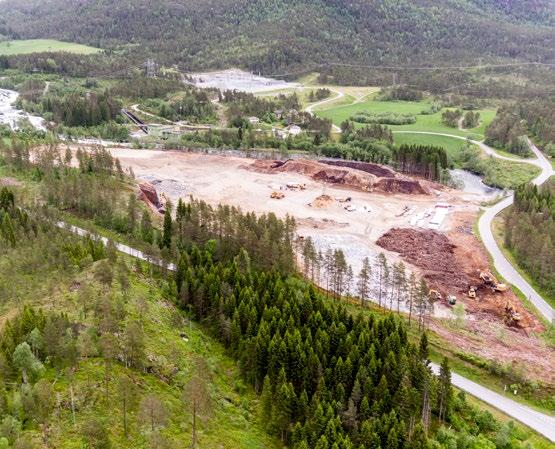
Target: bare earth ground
<point>236,181</point>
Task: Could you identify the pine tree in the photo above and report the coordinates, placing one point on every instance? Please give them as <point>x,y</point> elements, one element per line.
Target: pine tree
<point>167,232</point>
<point>444,390</point>
<point>364,277</point>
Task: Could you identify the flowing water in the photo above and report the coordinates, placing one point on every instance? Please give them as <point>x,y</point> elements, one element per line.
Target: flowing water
<point>11,116</point>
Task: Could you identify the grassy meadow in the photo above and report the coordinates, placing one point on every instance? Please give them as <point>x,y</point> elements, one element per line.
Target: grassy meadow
<point>19,47</point>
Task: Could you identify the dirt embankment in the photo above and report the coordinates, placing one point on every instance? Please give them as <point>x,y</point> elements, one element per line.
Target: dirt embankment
<point>452,268</point>
<point>361,176</point>
<point>148,194</point>
<point>368,167</point>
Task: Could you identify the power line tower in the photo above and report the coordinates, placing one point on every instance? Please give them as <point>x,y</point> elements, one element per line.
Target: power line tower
<point>150,66</point>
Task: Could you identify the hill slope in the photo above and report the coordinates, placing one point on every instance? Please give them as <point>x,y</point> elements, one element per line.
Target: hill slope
<point>273,35</point>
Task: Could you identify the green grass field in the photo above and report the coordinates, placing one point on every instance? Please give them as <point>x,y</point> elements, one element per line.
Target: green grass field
<point>508,175</point>
<point>432,123</point>
<point>451,145</point>
<point>43,45</point>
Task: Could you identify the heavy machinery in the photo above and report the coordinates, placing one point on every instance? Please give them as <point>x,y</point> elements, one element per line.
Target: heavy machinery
<point>472,291</point>
<point>277,195</point>
<point>434,295</point>
<point>452,300</point>
<point>512,317</point>
<point>489,280</point>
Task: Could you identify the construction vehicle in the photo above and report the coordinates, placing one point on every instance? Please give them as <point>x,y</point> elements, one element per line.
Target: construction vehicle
<point>489,280</point>
<point>512,317</point>
<point>346,199</point>
<point>472,291</point>
<point>277,195</point>
<point>434,295</point>
<point>452,300</point>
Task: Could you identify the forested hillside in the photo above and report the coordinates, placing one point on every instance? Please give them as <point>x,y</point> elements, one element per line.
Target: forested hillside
<point>102,357</point>
<point>275,35</point>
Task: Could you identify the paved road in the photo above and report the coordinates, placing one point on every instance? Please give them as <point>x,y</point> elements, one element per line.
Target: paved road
<point>538,421</point>
<point>502,265</point>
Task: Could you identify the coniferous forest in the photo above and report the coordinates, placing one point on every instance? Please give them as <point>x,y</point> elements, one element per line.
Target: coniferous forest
<point>530,232</point>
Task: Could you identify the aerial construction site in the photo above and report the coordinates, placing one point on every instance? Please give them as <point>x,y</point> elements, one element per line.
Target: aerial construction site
<point>364,209</point>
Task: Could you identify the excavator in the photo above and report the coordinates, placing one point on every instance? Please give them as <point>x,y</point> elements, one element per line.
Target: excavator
<point>512,317</point>
<point>489,280</point>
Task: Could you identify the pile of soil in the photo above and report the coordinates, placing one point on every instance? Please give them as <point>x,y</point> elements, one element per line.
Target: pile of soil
<point>400,185</point>
<point>374,169</point>
<point>148,194</point>
<point>451,268</point>
<point>322,201</point>
<point>432,252</point>
<point>354,175</point>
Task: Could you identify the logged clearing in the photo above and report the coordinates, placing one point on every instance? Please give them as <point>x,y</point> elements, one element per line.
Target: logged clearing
<point>20,47</point>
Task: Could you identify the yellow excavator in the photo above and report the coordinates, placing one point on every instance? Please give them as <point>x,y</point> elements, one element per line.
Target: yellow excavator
<point>489,280</point>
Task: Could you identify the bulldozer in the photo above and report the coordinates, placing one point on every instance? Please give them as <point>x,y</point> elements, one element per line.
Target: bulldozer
<point>277,195</point>
<point>489,280</point>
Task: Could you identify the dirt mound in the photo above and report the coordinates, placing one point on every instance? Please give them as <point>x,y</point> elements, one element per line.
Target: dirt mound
<point>399,185</point>
<point>452,268</point>
<point>368,167</point>
<point>322,201</point>
<point>148,194</point>
<point>9,182</point>
<point>354,175</point>
<point>431,252</point>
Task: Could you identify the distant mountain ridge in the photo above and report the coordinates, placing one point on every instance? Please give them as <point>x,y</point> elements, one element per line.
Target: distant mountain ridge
<point>273,35</point>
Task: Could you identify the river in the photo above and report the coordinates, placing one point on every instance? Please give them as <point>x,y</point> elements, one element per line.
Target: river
<point>11,116</point>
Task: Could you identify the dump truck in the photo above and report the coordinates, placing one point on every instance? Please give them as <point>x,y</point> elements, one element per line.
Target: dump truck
<point>277,195</point>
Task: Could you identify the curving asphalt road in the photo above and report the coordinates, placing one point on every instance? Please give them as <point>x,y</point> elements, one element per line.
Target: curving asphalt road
<point>540,422</point>
<point>537,421</point>
<point>502,265</point>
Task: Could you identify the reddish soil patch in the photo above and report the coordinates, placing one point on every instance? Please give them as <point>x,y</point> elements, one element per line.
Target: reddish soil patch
<point>399,185</point>
<point>374,169</point>
<point>452,267</point>
<point>148,194</point>
<point>366,177</point>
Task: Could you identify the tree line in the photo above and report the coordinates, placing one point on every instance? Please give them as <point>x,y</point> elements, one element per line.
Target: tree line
<point>427,161</point>
<point>530,232</point>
